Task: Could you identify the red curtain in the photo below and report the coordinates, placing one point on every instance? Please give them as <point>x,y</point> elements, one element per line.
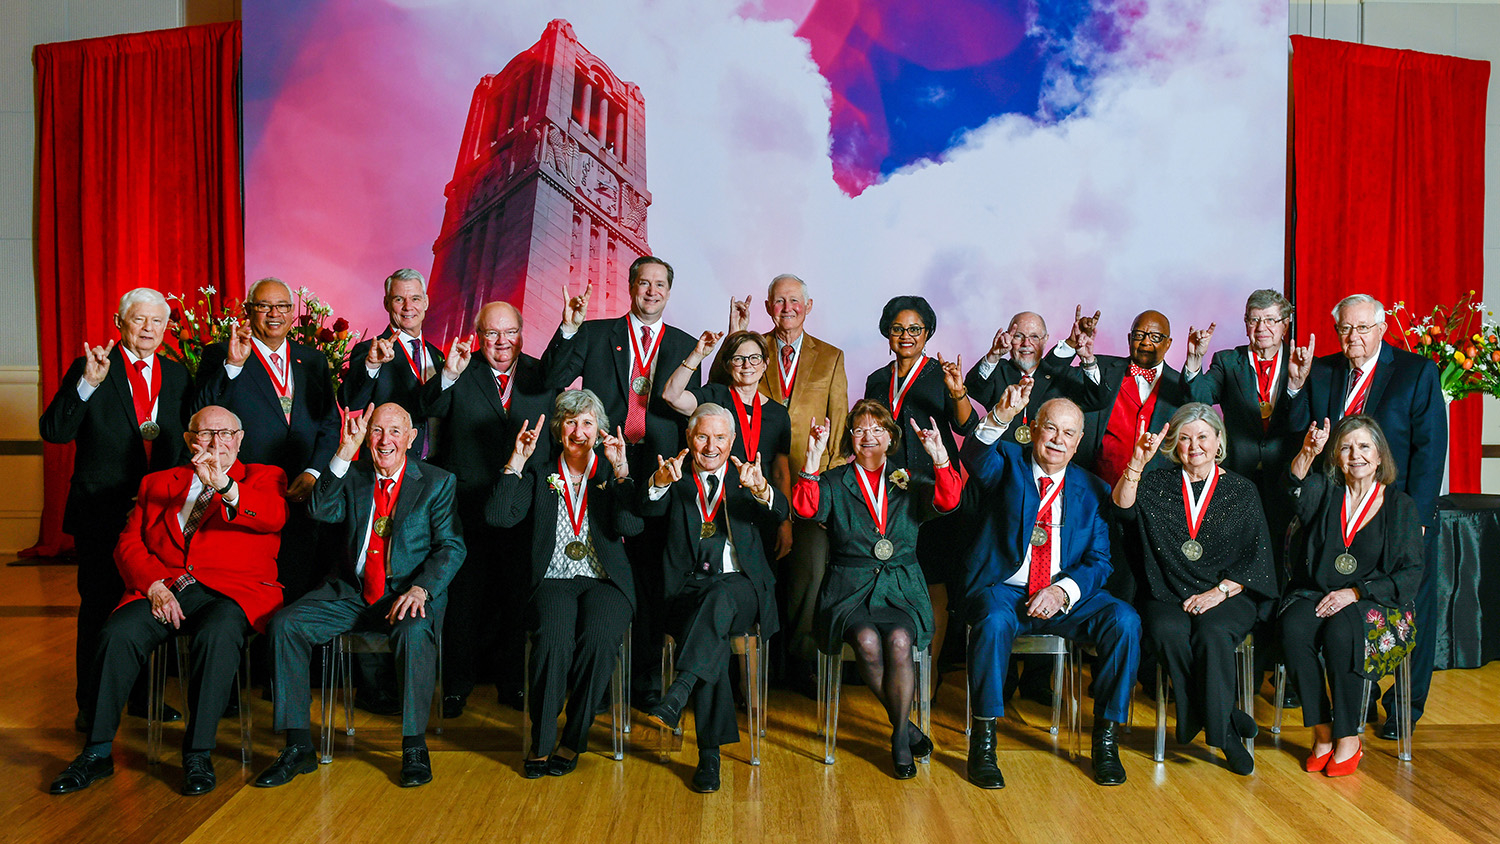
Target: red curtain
<point>1388,147</point>
<point>138,184</point>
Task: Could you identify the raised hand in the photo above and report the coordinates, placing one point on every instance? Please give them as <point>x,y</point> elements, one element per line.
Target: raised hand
<point>527,437</point>
<point>953,375</point>
<point>615,453</point>
<point>817,443</point>
<point>352,432</point>
<point>668,470</point>
<point>1300,364</point>
<point>706,342</point>
<point>1013,400</point>
<point>575,308</point>
<point>751,476</point>
<point>1316,438</point>
<point>206,466</point>
<point>1146,446</point>
<point>1081,336</point>
<point>239,345</point>
<point>458,357</point>
<point>96,362</point>
<point>382,351</point>
<point>931,441</point>
<point>739,314</point>
<point>1198,341</point>
<point>1000,346</point>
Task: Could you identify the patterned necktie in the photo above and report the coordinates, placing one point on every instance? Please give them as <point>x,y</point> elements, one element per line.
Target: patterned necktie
<point>1139,372</point>
<point>276,362</point>
<point>1040,575</point>
<point>200,510</point>
<point>635,408</point>
<point>501,381</point>
<point>416,357</point>
<point>374,586</point>
<point>1358,405</point>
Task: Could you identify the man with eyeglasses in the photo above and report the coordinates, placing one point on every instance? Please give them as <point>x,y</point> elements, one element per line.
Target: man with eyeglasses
<point>807,376</point>
<point>198,557</point>
<point>284,393</point>
<point>1018,351</point>
<point>124,407</point>
<point>396,362</point>
<point>1401,391</point>
<point>487,390</point>
<point>626,361</point>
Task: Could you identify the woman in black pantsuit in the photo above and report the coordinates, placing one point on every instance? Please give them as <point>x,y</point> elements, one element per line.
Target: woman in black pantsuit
<point>1207,559</point>
<point>583,592</point>
<point>1354,578</point>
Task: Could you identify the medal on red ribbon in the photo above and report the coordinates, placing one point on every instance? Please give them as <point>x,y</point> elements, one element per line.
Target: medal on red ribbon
<point>1345,563</point>
<point>898,395</point>
<point>1195,510</point>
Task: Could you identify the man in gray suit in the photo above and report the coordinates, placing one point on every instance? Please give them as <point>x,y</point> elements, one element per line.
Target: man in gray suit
<point>402,549</point>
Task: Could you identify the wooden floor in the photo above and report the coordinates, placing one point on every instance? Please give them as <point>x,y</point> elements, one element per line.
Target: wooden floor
<point>1449,793</point>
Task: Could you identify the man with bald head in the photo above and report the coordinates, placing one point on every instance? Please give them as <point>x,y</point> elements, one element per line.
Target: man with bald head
<point>487,390</point>
<point>1040,559</point>
<point>401,549</point>
<point>1019,351</point>
<point>284,393</point>
<point>393,365</point>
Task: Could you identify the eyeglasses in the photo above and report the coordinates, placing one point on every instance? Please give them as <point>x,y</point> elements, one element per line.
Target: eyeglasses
<point>265,307</point>
<point>747,360</point>
<point>1153,336</point>
<point>1036,339</point>
<point>867,432</point>
<point>492,336</point>
<point>1345,329</point>
<point>224,434</point>
<point>906,330</point>
<point>1257,322</point>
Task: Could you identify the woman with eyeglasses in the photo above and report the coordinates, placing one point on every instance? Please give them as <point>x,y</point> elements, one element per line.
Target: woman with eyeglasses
<point>874,596</point>
<point>1348,613</point>
<point>919,390</point>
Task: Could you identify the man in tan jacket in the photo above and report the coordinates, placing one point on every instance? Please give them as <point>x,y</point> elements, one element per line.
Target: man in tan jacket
<point>807,375</point>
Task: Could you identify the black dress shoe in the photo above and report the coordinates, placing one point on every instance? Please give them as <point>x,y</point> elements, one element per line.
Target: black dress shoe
<point>197,774</point>
<point>921,745</point>
<point>377,704</point>
<point>168,714</point>
<point>668,711</point>
<point>453,705</point>
<point>1237,758</point>
<point>294,760</point>
<point>1289,699</point>
<point>533,769</point>
<point>1388,730</point>
<point>904,770</point>
<point>560,767</point>
<point>416,767</point>
<point>1107,767</point>
<point>1242,725</point>
<point>706,775</point>
<point>984,771</point>
<point>82,773</point>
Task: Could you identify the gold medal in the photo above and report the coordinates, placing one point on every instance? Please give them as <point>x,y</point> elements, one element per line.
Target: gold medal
<point>1345,563</point>
<point>1192,550</point>
<point>706,530</point>
<point>150,430</point>
<point>576,550</point>
<point>884,550</point>
<point>1023,434</point>
<point>1265,410</point>
<point>286,405</point>
<point>383,527</point>
<point>1038,535</point>
<point>640,385</point>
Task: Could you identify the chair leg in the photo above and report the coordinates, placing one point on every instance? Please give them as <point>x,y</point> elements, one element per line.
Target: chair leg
<point>437,686</point>
<point>1280,698</point>
<point>1364,703</point>
<point>924,700</point>
<point>1076,690</point>
<point>344,661</point>
<point>619,712</point>
<point>330,679</point>
<point>156,686</point>
<point>822,695</point>
<point>1059,665</point>
<point>752,695</point>
<point>242,688</point>
<point>1247,688</point>
<point>526,698</point>
<point>969,682</point>
<point>628,644</point>
<point>1403,708</point>
<point>180,644</point>
<point>833,670</point>
<point>1159,754</point>
<point>765,678</point>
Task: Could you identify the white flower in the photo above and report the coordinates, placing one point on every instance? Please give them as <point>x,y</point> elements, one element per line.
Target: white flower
<point>899,478</point>
<point>556,482</point>
<point>304,292</point>
<point>207,291</point>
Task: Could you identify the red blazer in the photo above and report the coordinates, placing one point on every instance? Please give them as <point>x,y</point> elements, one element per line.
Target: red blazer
<point>233,552</point>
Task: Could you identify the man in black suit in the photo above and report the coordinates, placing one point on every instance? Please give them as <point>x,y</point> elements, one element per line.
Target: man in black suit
<point>717,578</point>
<point>401,549</point>
<point>1401,391</point>
<point>284,393</point>
<point>480,402</point>
<point>1018,352</point>
<point>125,407</point>
<point>398,361</point>
<point>624,361</point>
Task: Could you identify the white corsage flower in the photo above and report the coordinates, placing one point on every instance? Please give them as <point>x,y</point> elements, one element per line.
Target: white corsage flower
<point>900,478</point>
<point>556,482</point>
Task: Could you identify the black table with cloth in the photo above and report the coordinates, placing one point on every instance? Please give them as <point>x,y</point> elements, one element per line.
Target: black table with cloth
<point>1467,625</point>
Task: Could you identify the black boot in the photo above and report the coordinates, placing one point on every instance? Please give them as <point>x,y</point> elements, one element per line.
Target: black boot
<point>984,771</point>
<point>1107,767</point>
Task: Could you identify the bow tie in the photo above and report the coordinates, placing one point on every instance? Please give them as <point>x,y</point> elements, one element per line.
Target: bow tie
<point>1148,374</point>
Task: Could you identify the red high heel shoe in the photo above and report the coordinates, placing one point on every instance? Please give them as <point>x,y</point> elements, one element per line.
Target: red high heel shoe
<point>1314,764</point>
<point>1348,766</point>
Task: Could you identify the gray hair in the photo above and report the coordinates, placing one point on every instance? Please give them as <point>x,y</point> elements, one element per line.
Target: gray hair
<point>786,277</point>
<point>571,403</point>
<point>1359,299</point>
<point>142,296</point>
<point>1194,411</point>
<point>193,422</point>
<point>706,410</point>
<point>1267,298</point>
<point>270,279</point>
<point>405,274</point>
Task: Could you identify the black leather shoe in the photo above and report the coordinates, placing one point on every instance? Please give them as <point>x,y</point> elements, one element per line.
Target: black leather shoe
<point>706,775</point>
<point>534,769</point>
<point>984,771</point>
<point>416,767</point>
<point>1238,759</point>
<point>1242,724</point>
<point>453,705</point>
<point>197,774</point>
<point>668,711</point>
<point>294,760</point>
<point>1388,730</point>
<point>1289,699</point>
<point>921,745</point>
<point>560,767</point>
<point>377,704</point>
<point>1107,767</point>
<point>168,714</point>
<point>82,773</point>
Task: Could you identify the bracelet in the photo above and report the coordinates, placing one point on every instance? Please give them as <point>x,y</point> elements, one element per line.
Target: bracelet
<point>808,476</point>
<point>226,489</point>
<point>962,397</point>
<point>686,366</point>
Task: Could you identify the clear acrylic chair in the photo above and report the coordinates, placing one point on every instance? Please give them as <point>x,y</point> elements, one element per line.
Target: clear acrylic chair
<point>754,674</point>
<point>338,678</point>
<point>1244,666</point>
<point>1064,668</point>
<point>156,689</point>
<point>831,679</point>
<point>619,698</point>
<point>1403,705</point>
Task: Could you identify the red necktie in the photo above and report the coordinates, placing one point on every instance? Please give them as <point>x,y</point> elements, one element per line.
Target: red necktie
<point>1040,575</point>
<point>1358,405</point>
<point>141,396</point>
<point>635,408</point>
<point>1263,371</point>
<point>1148,374</point>
<point>501,381</point>
<point>374,588</point>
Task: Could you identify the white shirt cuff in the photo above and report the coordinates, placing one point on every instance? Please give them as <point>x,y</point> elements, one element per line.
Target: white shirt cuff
<point>448,382</point>
<point>1071,588</point>
<point>85,389</point>
<point>231,371</point>
<point>1292,393</point>
<point>656,492</point>
<point>989,431</point>
<point>1189,374</point>
<point>372,371</point>
<point>1064,351</point>
<point>986,369</point>
<point>338,466</point>
<point>568,335</point>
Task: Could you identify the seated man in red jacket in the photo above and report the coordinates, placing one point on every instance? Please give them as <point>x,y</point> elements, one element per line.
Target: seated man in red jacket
<point>198,556</point>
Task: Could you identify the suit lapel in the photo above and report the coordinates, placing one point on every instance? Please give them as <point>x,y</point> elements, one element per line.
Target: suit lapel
<point>413,486</point>
<point>362,505</point>
<point>620,338</point>
<point>177,487</point>
<point>121,382</point>
<point>1249,386</point>
<point>483,380</point>
<point>1381,378</point>
<point>256,371</point>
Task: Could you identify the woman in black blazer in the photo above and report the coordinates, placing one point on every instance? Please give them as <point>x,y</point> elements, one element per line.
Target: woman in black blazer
<point>1353,583</point>
<point>583,592</point>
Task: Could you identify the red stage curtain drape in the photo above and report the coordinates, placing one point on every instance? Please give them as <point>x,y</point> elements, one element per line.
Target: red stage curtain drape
<point>1388,147</point>
<point>138,185</point>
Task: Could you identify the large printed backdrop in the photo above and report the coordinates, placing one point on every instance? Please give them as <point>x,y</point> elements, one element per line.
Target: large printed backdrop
<point>992,156</point>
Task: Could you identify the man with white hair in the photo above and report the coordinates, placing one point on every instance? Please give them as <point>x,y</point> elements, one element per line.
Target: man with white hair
<point>1401,391</point>
<point>125,407</point>
<point>284,393</point>
<point>393,365</point>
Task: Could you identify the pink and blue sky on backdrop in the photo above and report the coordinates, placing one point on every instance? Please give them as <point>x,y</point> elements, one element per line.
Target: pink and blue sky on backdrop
<point>992,156</point>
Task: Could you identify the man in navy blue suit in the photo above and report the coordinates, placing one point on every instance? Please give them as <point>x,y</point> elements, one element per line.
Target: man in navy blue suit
<point>1040,559</point>
<point>1401,391</point>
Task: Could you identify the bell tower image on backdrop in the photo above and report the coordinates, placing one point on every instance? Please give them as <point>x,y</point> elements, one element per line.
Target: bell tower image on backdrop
<point>549,188</point>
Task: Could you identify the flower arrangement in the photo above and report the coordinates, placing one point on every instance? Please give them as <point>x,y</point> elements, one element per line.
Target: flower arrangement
<point>900,478</point>
<point>555,481</point>
<point>210,319</point>
<point>1462,339</point>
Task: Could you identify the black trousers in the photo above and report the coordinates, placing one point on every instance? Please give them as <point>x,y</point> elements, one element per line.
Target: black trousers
<point>219,629</point>
<point>1197,652</point>
<point>713,609</point>
<point>484,627</point>
<point>1340,641</point>
<point>337,607</point>
<point>578,627</point>
<point>645,552</point>
<point>99,590</point>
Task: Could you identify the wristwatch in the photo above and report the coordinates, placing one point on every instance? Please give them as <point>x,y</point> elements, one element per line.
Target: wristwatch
<point>1223,588</point>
